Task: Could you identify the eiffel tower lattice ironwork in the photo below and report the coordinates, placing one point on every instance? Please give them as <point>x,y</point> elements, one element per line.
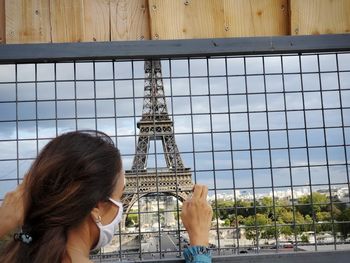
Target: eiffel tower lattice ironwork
<point>155,124</point>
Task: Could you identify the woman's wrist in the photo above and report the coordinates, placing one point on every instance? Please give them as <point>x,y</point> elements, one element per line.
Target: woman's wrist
<point>199,240</point>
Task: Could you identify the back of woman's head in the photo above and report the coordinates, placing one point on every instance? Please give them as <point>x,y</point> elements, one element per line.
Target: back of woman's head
<point>70,176</point>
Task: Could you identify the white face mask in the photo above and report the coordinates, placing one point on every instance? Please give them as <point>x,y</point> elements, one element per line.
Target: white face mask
<point>107,231</point>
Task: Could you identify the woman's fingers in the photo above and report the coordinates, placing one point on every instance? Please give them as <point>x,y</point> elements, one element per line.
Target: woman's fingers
<point>204,192</point>
<point>197,191</point>
<point>196,216</point>
<point>200,191</point>
<point>20,190</point>
<point>12,210</point>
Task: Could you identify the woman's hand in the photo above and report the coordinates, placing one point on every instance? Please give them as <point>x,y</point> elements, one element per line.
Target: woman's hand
<point>196,216</point>
<point>12,210</point>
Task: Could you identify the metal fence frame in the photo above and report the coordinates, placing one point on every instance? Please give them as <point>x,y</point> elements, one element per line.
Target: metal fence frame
<point>21,53</point>
<point>128,50</point>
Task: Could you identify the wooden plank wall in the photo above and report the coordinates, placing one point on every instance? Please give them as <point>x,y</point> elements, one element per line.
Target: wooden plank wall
<point>218,18</point>
<point>45,21</point>
<point>80,21</point>
<point>313,17</point>
<point>2,21</point>
<point>27,21</point>
<point>129,20</point>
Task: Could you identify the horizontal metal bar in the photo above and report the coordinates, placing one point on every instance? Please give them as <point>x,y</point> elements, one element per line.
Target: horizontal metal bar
<point>21,53</point>
<point>309,257</point>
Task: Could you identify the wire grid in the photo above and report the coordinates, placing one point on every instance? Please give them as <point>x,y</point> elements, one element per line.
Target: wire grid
<point>249,127</point>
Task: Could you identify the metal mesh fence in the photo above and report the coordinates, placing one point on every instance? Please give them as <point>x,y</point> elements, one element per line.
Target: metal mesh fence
<point>268,134</point>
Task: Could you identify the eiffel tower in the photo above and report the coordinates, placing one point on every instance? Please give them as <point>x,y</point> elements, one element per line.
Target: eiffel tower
<point>155,124</point>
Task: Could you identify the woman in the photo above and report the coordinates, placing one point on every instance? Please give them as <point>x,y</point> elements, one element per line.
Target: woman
<point>69,204</point>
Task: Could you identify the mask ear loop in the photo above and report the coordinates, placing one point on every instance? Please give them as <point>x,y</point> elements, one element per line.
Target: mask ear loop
<point>120,205</point>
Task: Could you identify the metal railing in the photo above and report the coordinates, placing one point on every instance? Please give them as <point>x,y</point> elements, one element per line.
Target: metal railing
<point>264,122</point>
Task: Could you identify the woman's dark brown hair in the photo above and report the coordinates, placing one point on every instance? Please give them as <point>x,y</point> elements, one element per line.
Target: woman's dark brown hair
<point>69,177</point>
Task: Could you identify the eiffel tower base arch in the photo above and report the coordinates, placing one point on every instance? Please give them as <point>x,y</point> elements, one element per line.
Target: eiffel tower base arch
<point>131,199</point>
<point>172,183</point>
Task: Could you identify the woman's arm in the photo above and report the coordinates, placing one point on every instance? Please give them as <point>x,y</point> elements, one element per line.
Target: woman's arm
<point>196,216</point>
<point>12,211</point>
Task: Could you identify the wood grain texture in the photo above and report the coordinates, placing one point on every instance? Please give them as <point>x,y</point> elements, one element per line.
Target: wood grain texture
<point>256,17</point>
<point>2,22</point>
<point>313,17</point>
<point>96,20</point>
<point>217,18</point>
<point>27,21</point>
<point>129,20</point>
<point>80,20</point>
<point>186,19</point>
<point>44,21</point>
<point>67,20</point>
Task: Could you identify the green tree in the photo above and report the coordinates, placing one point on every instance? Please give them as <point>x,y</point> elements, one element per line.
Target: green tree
<point>245,208</point>
<point>304,239</point>
<point>323,216</point>
<point>257,228</point>
<point>287,230</point>
<point>309,222</point>
<point>227,222</point>
<point>319,201</point>
<point>300,221</point>
<point>224,209</point>
<point>265,205</point>
<point>286,217</point>
<point>335,209</point>
<point>344,228</point>
<point>240,220</point>
<point>132,220</point>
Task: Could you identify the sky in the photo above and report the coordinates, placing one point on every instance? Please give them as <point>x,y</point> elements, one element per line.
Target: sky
<point>213,103</point>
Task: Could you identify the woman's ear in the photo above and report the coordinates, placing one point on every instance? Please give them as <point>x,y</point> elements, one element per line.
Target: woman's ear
<point>95,214</point>
<point>94,217</point>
